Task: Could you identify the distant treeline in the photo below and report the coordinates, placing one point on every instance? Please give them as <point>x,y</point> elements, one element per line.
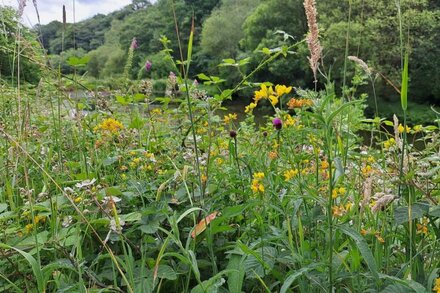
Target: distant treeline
<point>237,29</point>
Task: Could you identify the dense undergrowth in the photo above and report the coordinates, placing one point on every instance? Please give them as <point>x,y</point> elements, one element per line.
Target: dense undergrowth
<point>145,194</point>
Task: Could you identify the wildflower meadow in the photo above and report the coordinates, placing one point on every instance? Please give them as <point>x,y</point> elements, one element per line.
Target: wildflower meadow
<point>119,189</point>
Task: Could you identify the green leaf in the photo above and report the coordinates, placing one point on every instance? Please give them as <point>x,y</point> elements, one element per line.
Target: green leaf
<point>290,279</point>
<point>235,279</point>
<point>166,272</point>
<point>3,207</point>
<point>110,161</point>
<point>122,100</point>
<point>36,269</point>
<point>435,212</point>
<point>203,76</point>
<point>229,61</point>
<point>404,87</point>
<point>363,248</point>
<point>401,214</point>
<point>190,45</point>
<point>417,287</point>
<point>186,213</point>
<point>113,191</point>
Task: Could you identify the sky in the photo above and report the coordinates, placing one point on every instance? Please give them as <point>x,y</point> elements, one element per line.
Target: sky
<point>50,10</point>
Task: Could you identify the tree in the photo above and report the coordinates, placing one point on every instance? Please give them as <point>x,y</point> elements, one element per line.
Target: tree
<point>16,38</point>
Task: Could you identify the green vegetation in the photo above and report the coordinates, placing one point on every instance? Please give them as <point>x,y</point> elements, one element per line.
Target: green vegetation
<point>123,171</point>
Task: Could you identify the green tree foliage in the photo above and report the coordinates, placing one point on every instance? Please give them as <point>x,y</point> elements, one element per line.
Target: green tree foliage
<point>19,49</point>
<point>230,16</point>
<point>237,29</point>
<point>374,37</point>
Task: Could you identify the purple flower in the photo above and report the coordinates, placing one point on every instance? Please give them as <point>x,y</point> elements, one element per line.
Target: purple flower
<point>148,65</point>
<point>277,123</point>
<point>134,44</point>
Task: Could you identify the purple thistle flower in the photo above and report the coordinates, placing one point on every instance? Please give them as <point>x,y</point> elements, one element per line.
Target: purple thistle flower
<point>277,123</point>
<point>148,65</point>
<point>134,44</point>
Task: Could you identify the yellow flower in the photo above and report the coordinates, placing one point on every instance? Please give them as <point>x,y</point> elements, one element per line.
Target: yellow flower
<point>289,121</point>
<point>422,228</point>
<point>230,117</point>
<point>436,286</point>
<point>389,143</point>
<point>156,111</point>
<point>289,174</point>
<point>282,89</point>
<point>250,107</point>
<point>273,100</point>
<point>379,238</point>
<point>341,190</point>
<point>338,211</point>
<point>219,161</point>
<point>258,175</point>
<point>335,193</point>
<point>28,228</point>
<point>39,218</point>
<point>263,93</point>
<point>400,128</point>
<point>257,186</point>
<point>109,125</point>
<point>324,165</point>
<point>78,199</point>
<point>204,178</point>
<point>367,170</point>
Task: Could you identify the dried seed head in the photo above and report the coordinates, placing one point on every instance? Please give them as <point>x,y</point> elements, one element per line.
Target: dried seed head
<point>361,63</point>
<point>313,36</point>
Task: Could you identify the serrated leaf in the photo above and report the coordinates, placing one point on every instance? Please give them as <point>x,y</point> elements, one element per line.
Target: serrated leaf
<point>3,207</point>
<point>401,214</point>
<point>110,161</point>
<point>166,272</point>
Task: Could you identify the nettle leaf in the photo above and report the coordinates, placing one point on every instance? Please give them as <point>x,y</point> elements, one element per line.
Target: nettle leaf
<point>418,210</point>
<point>259,261</point>
<point>166,272</point>
<point>435,212</point>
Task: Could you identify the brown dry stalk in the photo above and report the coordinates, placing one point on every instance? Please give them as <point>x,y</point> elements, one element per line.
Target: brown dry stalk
<point>313,36</point>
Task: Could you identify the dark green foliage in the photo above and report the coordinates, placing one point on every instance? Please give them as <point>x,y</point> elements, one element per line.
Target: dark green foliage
<point>14,38</point>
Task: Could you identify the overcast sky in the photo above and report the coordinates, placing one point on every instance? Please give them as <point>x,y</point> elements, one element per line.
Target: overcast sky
<point>50,10</point>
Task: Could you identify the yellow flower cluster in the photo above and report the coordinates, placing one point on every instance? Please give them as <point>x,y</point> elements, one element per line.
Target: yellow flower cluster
<point>269,93</point>
<point>400,128</point>
<point>109,125</point>
<point>289,121</point>
<point>375,233</point>
<point>257,186</point>
<point>37,219</point>
<point>299,103</point>
<point>422,228</point>
<point>289,174</point>
<point>229,118</point>
<point>436,286</point>
<point>336,192</point>
<point>389,143</point>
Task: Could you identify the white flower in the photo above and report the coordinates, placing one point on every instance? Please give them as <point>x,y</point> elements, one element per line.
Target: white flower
<point>85,183</point>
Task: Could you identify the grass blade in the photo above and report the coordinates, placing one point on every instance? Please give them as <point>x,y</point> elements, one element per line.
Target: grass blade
<point>404,88</point>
